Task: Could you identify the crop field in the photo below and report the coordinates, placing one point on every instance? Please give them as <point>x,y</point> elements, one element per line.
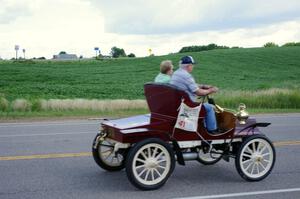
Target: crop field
<point>270,75</point>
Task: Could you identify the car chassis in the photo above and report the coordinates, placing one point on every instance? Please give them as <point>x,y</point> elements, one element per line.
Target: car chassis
<point>149,145</point>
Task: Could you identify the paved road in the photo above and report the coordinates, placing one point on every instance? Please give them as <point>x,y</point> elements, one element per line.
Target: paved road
<point>79,177</point>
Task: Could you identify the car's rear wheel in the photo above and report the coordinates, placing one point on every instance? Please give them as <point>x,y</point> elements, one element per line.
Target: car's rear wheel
<point>255,158</point>
<point>150,164</point>
<point>106,158</point>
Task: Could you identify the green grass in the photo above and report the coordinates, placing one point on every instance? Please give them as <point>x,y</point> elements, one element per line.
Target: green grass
<point>237,72</point>
<point>83,114</point>
<point>230,69</point>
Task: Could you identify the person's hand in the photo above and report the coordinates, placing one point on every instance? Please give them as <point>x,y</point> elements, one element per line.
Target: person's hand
<point>213,89</point>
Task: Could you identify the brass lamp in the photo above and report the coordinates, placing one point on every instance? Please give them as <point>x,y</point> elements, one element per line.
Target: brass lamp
<point>242,115</point>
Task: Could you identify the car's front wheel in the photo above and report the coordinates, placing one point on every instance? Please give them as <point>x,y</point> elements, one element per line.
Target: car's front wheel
<point>255,158</point>
<point>150,164</point>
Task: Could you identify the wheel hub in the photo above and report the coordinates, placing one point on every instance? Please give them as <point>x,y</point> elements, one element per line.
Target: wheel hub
<point>151,163</point>
<point>257,157</point>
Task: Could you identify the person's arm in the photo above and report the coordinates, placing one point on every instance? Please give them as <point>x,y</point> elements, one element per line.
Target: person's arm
<point>205,86</point>
<point>202,92</point>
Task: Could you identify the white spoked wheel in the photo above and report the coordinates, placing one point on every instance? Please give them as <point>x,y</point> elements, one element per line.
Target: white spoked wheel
<point>209,158</point>
<point>255,158</point>
<point>150,163</point>
<point>106,158</point>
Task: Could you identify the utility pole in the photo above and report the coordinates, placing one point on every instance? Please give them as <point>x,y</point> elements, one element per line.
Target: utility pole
<point>17,47</point>
<point>24,52</point>
<point>96,49</point>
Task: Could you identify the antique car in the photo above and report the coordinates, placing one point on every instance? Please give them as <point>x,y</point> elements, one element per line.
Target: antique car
<point>148,146</point>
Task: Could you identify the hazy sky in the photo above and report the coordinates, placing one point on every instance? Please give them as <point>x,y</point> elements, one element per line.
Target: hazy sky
<point>46,27</point>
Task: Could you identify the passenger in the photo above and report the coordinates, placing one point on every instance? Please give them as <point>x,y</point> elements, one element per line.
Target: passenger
<point>166,71</point>
<point>184,80</point>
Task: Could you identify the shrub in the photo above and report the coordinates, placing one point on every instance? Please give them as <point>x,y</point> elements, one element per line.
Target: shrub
<point>94,104</point>
<point>131,55</point>
<point>270,44</point>
<point>21,105</point>
<point>3,104</point>
<point>36,105</point>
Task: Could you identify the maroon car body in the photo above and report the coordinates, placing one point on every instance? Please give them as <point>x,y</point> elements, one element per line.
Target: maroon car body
<point>128,137</point>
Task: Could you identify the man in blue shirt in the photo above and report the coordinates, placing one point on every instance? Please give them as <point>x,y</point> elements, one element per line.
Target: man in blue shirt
<point>184,80</point>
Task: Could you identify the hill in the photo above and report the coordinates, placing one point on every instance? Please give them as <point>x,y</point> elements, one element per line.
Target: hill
<point>230,69</point>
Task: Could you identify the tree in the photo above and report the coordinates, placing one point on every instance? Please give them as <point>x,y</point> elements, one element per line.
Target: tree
<point>270,44</point>
<point>62,53</point>
<point>291,44</point>
<point>117,52</point>
<point>201,48</point>
<point>131,55</point>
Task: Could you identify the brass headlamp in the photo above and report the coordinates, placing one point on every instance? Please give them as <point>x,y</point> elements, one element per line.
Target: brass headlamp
<point>242,115</point>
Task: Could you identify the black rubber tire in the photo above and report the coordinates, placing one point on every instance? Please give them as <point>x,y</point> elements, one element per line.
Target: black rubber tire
<point>238,156</point>
<point>101,163</point>
<point>130,158</point>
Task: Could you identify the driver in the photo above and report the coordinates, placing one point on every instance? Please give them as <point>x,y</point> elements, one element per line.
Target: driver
<point>184,80</point>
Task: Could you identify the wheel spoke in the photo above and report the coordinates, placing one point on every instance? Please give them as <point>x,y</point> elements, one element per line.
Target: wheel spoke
<point>262,150</point>
<point>257,168</point>
<point>249,166</point>
<point>143,171</point>
<point>248,150</point>
<point>147,174</point>
<point>246,161</point>
<point>149,152</point>
<point>253,147</point>
<point>162,167</point>
<point>140,160</point>
<point>265,154</point>
<point>119,158</point>
<point>152,174</point>
<point>157,171</point>
<point>252,170</point>
<point>106,151</point>
<point>160,161</point>
<point>246,155</point>
<point>144,155</point>
<point>159,155</point>
<point>261,164</point>
<point>140,166</point>
<point>112,159</point>
<point>108,155</point>
<point>154,152</point>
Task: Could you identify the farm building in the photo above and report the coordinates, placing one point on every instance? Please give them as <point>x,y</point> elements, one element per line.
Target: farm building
<point>65,56</point>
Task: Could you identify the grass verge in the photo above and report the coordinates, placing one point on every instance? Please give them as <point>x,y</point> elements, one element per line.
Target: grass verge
<point>85,114</point>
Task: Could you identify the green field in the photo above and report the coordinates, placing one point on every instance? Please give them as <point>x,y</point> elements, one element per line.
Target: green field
<point>235,71</point>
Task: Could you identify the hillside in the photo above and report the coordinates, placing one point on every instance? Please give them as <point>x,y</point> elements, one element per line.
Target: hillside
<point>229,69</point>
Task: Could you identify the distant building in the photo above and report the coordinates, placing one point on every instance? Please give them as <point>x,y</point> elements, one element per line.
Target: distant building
<point>65,56</point>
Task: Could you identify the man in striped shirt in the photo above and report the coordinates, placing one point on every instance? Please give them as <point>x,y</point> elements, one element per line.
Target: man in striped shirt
<point>184,80</point>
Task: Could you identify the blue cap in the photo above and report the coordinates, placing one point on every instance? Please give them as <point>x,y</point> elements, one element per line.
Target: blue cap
<point>187,60</point>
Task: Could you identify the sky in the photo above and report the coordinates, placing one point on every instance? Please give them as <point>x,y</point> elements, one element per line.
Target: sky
<point>46,27</point>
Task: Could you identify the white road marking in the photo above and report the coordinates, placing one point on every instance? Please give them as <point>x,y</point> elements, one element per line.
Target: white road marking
<point>45,124</point>
<point>244,194</point>
<point>46,134</point>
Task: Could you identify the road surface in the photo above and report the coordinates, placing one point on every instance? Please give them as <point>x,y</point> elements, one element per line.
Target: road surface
<point>52,160</point>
